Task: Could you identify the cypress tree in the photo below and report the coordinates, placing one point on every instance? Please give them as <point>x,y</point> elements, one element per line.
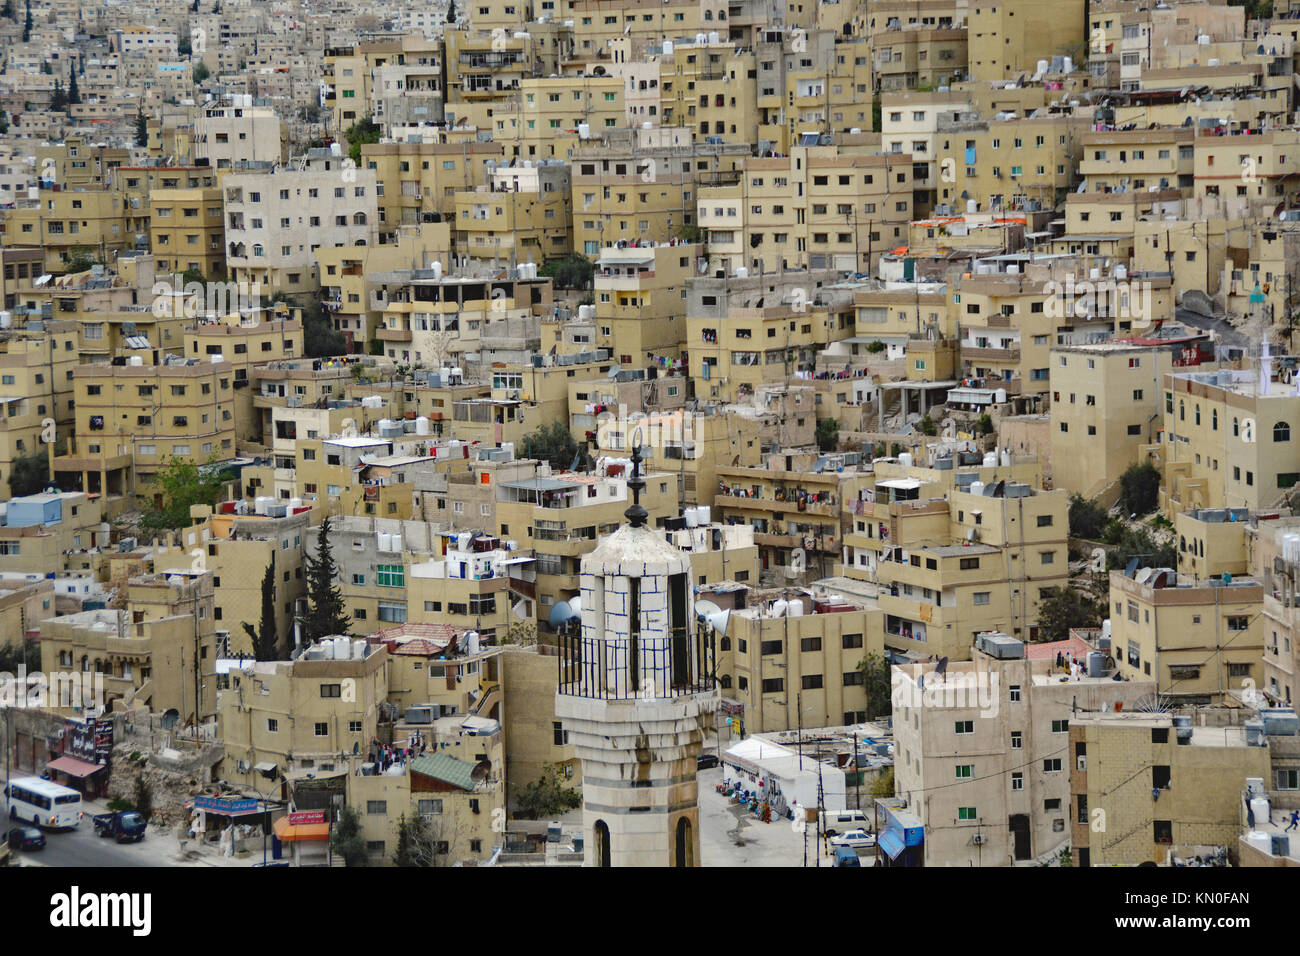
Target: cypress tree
<point>326,614</point>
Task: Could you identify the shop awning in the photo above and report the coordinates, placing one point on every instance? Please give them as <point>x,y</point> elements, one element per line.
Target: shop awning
<point>74,767</point>
<point>891,841</point>
<point>287,832</point>
<point>265,767</point>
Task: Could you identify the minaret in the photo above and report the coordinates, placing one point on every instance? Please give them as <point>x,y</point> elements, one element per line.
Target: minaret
<point>636,685</point>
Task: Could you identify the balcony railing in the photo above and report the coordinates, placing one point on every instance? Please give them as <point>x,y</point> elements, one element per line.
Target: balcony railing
<point>645,667</point>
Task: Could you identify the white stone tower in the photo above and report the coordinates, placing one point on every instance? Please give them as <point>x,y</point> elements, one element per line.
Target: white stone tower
<point>636,686</point>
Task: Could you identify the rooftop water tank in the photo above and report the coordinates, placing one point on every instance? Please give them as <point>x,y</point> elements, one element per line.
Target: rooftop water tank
<point>436,265</point>
<point>977,488</point>
<point>779,607</point>
<point>668,48</point>
<point>385,542</point>
<point>990,460</point>
<point>422,425</point>
<point>1096,664</point>
<point>905,459</point>
<point>137,360</point>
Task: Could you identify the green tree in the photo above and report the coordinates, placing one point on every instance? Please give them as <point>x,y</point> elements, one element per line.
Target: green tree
<point>8,11</point>
<point>347,841</point>
<point>27,23</point>
<point>451,11</point>
<point>884,784</point>
<point>1063,608</point>
<point>74,95</point>
<point>326,613</point>
<point>265,640</point>
<point>80,259</point>
<point>875,347</point>
<point>877,682</point>
<point>23,653</point>
<point>141,130</point>
<point>828,434</point>
<point>30,474</point>
<point>143,796</point>
<point>182,484</point>
<point>201,72</point>
<point>320,338</point>
<point>417,843</point>
<point>58,99</point>
<point>984,426</point>
<point>548,797</point>
<point>1139,489</point>
<point>1087,518</point>
<point>926,425</point>
<point>552,442</point>
<point>1130,543</point>
<point>364,132</point>
<point>573,271</point>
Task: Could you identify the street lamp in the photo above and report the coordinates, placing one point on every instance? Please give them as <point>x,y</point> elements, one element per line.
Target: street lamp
<point>266,810</point>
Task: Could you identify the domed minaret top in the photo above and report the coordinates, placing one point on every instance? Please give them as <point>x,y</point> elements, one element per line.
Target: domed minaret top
<point>636,514</point>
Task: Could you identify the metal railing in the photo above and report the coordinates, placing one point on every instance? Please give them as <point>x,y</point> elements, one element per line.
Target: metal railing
<point>643,666</point>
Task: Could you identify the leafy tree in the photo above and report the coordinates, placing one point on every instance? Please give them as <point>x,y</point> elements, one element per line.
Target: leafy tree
<point>264,638</point>
<point>1087,518</point>
<point>30,474</point>
<point>80,260</point>
<point>574,271</point>
<point>74,95</point>
<point>926,425</point>
<point>828,434</point>
<point>326,613</point>
<point>320,338</point>
<point>417,843</point>
<point>548,797</point>
<point>984,426</point>
<point>1139,543</point>
<point>884,784</point>
<point>143,797</point>
<point>1064,608</point>
<point>182,483</point>
<point>58,99</point>
<point>18,654</point>
<point>875,347</point>
<point>364,132</point>
<point>141,130</point>
<point>878,682</point>
<point>347,841</point>
<point>201,72</point>
<point>1139,489</point>
<point>552,442</point>
<point>183,46</point>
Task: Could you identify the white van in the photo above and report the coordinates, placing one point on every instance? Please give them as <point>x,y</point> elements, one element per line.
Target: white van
<point>837,821</point>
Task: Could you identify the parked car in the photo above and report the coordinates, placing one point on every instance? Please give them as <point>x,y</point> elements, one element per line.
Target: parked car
<point>127,826</point>
<point>837,821</point>
<point>26,838</point>
<point>846,856</point>
<point>856,839</point>
<point>706,761</point>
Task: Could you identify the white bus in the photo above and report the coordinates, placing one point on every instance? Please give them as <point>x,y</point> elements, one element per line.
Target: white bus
<point>43,803</point>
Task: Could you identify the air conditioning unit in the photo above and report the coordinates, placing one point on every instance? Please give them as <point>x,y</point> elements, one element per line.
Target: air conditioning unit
<point>978,840</point>
<point>1083,762</point>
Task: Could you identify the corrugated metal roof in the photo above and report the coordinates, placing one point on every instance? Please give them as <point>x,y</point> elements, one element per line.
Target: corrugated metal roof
<point>448,769</point>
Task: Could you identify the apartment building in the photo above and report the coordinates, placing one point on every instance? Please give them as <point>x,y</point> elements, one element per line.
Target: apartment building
<point>152,653</point>
<point>418,179</point>
<point>237,134</point>
<point>247,341</point>
<point>1200,641</point>
<point>790,658</point>
<point>52,530</point>
<point>131,418</point>
<point>640,308</point>
<point>303,713</point>
<point>1008,162</point>
<point>1106,409</point>
<point>275,221</point>
<point>981,750</point>
<point>1138,159</point>
<point>1226,442</point>
<point>1007,38</point>
<point>35,367</point>
<point>523,215</point>
<point>1145,785</point>
<point>70,226</point>
<point>186,231</point>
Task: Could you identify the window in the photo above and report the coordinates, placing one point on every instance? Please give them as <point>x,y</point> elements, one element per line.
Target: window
<point>1288,779</point>
<point>321,728</point>
<point>965,771</point>
<point>331,690</point>
<point>982,597</point>
<point>1060,726</point>
<point>1052,765</point>
<point>849,641</point>
<point>1017,740</point>
<point>1017,781</point>
<point>773,685</point>
<point>812,681</point>
<point>1282,431</point>
<point>966,813</point>
<point>390,576</point>
<point>1044,521</point>
<point>272,725</point>
<point>376,806</point>
<point>964,727</point>
<point>559,735</point>
<point>1014,691</point>
<point>810,644</point>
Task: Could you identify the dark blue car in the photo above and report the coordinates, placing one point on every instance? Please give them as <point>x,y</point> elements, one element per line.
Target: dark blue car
<point>26,838</point>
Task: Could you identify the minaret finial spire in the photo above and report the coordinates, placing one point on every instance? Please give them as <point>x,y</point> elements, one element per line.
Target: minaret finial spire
<point>635,514</point>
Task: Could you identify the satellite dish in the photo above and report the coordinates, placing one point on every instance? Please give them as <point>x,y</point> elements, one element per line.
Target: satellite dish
<point>481,771</point>
<point>720,621</point>
<point>703,609</point>
<point>1143,576</point>
<point>942,667</point>
<point>561,613</point>
<point>1152,704</point>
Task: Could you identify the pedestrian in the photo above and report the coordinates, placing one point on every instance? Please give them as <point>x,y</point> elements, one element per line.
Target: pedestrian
<point>1295,820</point>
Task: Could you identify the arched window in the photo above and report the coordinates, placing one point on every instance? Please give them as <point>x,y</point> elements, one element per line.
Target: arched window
<point>600,833</point>
<point>1182,543</point>
<point>685,855</point>
<point>359,219</point>
<point>1198,414</point>
<point>1282,431</point>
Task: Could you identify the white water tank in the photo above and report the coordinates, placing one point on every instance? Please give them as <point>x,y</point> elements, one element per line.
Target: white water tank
<point>1042,67</point>
<point>584,131</point>
<point>436,265</point>
<point>971,206</point>
<point>397,543</point>
<point>779,607</point>
<point>1094,273</point>
<point>385,541</point>
<point>1069,65</point>
<point>795,609</point>
<point>295,504</point>
<point>692,519</point>
<point>668,48</point>
<point>422,425</point>
<point>703,512</point>
<point>714,37</point>
<point>977,488</point>
<point>261,503</point>
<point>217,358</point>
<point>905,459</point>
<point>1121,272</point>
<point>471,642</point>
<point>1006,458</point>
<point>372,401</point>
<point>6,319</point>
<point>990,460</point>
<point>701,38</point>
<point>742,272</point>
<point>359,650</point>
<point>137,360</point>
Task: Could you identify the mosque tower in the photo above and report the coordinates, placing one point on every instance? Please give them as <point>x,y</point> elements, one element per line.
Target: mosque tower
<point>635,694</point>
